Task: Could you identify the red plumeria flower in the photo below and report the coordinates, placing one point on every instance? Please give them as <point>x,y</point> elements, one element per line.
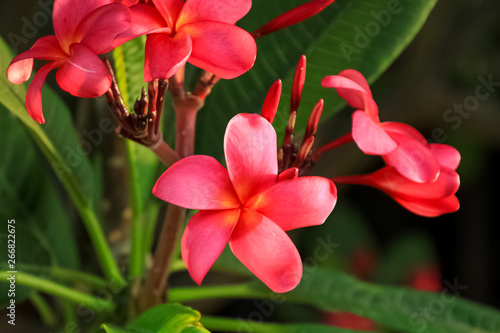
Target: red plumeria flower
<point>83,29</point>
<point>399,144</point>
<point>247,205</point>
<point>427,199</point>
<point>203,34</point>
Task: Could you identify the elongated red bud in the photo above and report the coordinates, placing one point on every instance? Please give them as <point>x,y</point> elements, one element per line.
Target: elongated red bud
<point>292,17</point>
<point>288,174</point>
<point>298,84</point>
<point>272,101</point>
<point>304,152</point>
<point>312,124</point>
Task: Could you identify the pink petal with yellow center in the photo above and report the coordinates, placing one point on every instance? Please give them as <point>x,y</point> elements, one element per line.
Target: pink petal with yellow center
<point>413,159</point>
<point>228,11</point>
<point>267,251</point>
<point>170,10</point>
<point>165,55</point>
<point>98,30</point>
<point>221,48</point>
<point>369,136</point>
<point>68,14</point>
<point>297,203</point>
<point>204,239</point>
<point>34,94</point>
<point>197,182</point>
<point>250,150</point>
<point>83,74</point>
<point>447,156</point>
<point>45,48</point>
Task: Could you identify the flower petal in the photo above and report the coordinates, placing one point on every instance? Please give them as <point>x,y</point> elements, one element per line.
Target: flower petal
<point>250,150</point>
<point>170,10</point>
<point>403,129</point>
<point>431,207</point>
<point>221,48</point>
<point>369,136</point>
<point>389,180</point>
<point>98,29</point>
<point>297,203</point>
<point>197,182</point>
<point>228,11</point>
<point>145,19</point>
<point>68,14</point>
<point>447,155</point>
<point>165,55</point>
<point>83,74</point>
<point>34,94</point>
<point>204,239</point>
<point>45,48</point>
<point>267,251</point>
<point>413,159</point>
<point>354,93</point>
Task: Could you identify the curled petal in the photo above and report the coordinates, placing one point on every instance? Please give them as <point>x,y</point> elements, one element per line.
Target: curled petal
<point>197,182</point>
<point>369,136</point>
<point>204,239</point>
<point>68,14</point>
<point>447,156</point>
<point>297,203</point>
<point>267,251</point>
<point>431,207</point>
<point>250,150</point>
<point>34,95</point>
<point>221,48</point>
<point>293,16</point>
<point>272,101</point>
<point>354,93</point>
<point>98,29</point>
<point>358,78</point>
<point>389,180</point>
<point>170,10</point>
<point>403,129</point>
<point>228,11</point>
<point>145,20</point>
<point>165,55</point>
<point>45,48</point>
<point>413,159</point>
<point>83,74</point>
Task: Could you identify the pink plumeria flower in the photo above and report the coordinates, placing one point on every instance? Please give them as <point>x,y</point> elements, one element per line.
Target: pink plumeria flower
<point>203,34</point>
<point>426,199</point>
<point>83,30</point>
<point>399,144</point>
<point>247,205</point>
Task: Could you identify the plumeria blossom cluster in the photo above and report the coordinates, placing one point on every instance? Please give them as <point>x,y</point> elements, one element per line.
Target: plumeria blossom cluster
<point>260,195</point>
<point>264,191</point>
<point>201,32</point>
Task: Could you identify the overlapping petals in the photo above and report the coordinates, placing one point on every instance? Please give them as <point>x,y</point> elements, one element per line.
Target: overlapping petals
<point>400,145</point>
<point>247,205</point>
<point>83,30</point>
<point>209,39</point>
<point>429,199</point>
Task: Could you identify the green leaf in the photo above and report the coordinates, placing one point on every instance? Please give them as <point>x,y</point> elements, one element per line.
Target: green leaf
<point>166,318</point>
<point>398,308</point>
<point>43,235</point>
<point>321,39</point>
<point>143,163</point>
<point>59,143</point>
